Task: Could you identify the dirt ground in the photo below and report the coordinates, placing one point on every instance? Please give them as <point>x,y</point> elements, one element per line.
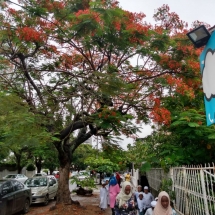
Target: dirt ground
<point>89,205</point>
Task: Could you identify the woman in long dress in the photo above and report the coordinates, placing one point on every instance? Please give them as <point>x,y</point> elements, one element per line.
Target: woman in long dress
<point>125,201</point>
<point>113,191</point>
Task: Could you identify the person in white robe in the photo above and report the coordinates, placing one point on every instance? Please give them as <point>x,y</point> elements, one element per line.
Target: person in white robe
<point>139,189</point>
<point>107,187</point>
<point>150,210</point>
<point>103,196</point>
<point>148,198</point>
<point>140,203</point>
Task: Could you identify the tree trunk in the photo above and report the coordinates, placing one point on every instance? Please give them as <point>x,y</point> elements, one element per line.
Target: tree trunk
<point>63,194</point>
<point>19,168</point>
<point>38,163</point>
<point>100,178</point>
<point>18,162</point>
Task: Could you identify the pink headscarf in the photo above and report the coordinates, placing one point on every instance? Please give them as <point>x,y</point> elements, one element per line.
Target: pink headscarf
<point>159,209</point>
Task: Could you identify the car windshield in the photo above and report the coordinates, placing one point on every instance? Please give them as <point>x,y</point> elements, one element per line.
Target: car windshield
<point>36,182</point>
<point>10,176</point>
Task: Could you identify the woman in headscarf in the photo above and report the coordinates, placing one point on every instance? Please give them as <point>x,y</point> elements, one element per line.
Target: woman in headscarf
<point>125,204</point>
<point>113,191</point>
<point>163,205</point>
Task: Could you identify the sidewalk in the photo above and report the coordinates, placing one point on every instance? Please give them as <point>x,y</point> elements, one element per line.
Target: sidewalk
<point>89,206</point>
<point>91,201</point>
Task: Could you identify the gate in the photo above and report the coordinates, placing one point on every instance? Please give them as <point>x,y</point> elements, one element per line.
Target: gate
<point>194,187</point>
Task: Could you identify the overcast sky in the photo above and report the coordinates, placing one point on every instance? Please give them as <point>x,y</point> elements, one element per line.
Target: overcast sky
<point>188,10</point>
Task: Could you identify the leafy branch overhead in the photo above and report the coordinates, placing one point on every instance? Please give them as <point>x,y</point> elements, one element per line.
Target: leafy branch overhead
<point>70,63</point>
<point>101,165</point>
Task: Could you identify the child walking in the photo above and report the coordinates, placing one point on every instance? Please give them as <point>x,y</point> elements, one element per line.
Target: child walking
<point>103,196</point>
<point>140,203</point>
<point>150,210</point>
<point>107,188</point>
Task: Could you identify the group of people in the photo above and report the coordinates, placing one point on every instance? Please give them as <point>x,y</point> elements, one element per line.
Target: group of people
<point>126,201</point>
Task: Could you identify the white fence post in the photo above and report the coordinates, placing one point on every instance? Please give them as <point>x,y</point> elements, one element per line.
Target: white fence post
<point>193,185</point>
<point>185,192</point>
<point>204,192</point>
<point>172,178</point>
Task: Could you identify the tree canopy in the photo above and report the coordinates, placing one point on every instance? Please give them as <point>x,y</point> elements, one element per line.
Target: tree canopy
<point>71,63</point>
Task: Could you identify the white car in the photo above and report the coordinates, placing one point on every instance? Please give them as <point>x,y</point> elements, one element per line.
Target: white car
<point>83,174</point>
<point>19,177</point>
<point>39,174</point>
<point>43,188</point>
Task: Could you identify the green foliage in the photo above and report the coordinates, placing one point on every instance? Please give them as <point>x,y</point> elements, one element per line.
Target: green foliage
<point>81,153</point>
<point>192,125</point>
<point>166,185</point>
<point>115,153</point>
<point>17,124</point>
<point>186,141</point>
<point>4,152</point>
<point>21,130</point>
<point>46,171</point>
<point>87,183</point>
<point>84,83</point>
<point>101,165</point>
<point>30,167</point>
<point>136,155</point>
<point>48,155</point>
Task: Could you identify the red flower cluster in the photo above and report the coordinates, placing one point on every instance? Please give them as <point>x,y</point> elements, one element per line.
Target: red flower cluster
<point>30,35</point>
<point>161,115</point>
<point>180,86</point>
<point>94,15</point>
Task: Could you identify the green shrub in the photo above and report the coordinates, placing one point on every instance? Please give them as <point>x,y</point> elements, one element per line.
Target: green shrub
<point>166,185</point>
<point>87,183</point>
<point>46,171</point>
<point>30,167</point>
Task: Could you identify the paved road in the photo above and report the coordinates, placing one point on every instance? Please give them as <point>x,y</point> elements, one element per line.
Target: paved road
<point>37,209</point>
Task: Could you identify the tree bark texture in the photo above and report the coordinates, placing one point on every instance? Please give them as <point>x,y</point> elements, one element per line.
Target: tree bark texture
<point>63,195</point>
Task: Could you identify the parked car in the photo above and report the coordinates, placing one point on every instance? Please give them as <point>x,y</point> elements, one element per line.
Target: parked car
<point>39,174</point>
<point>83,174</point>
<point>14,197</point>
<point>19,177</point>
<point>57,176</point>
<point>55,172</point>
<point>43,188</point>
<point>74,173</point>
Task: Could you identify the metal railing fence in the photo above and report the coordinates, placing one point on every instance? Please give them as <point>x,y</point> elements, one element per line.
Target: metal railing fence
<point>194,187</point>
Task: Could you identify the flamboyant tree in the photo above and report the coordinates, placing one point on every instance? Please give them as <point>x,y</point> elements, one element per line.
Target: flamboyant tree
<point>70,61</point>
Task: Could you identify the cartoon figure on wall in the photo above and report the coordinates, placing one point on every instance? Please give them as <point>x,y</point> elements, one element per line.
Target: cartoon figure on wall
<point>207,64</point>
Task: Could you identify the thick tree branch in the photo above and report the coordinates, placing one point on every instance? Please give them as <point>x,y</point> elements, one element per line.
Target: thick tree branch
<point>72,127</point>
<point>22,59</point>
<point>81,138</point>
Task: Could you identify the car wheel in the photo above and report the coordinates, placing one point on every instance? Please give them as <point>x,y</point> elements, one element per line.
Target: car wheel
<point>26,206</point>
<point>46,200</point>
